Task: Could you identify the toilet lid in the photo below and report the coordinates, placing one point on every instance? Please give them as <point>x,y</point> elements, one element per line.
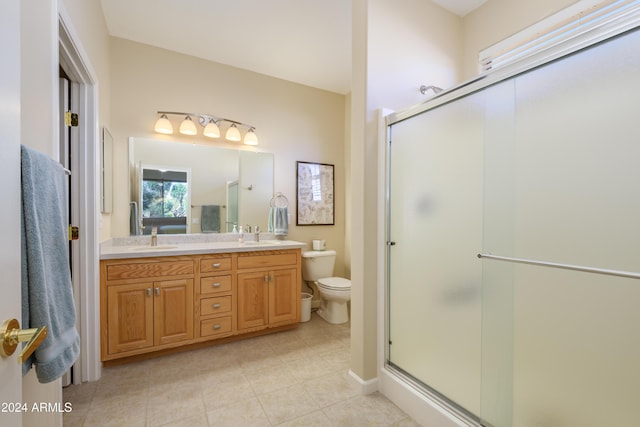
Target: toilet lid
<point>335,283</point>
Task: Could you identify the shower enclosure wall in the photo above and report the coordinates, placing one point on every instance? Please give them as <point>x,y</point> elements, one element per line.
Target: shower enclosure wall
<point>541,166</point>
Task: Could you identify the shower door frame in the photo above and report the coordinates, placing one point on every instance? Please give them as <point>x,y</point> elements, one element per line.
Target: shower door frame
<point>404,390</point>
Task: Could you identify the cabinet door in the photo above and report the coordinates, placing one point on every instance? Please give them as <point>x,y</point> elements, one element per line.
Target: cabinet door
<point>129,317</point>
<point>253,298</point>
<point>284,296</point>
<point>173,311</point>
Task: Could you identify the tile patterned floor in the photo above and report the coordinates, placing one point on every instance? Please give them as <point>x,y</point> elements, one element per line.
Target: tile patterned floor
<point>293,378</point>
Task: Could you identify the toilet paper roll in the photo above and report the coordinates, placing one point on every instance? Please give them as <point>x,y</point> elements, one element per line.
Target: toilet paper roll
<point>318,245</point>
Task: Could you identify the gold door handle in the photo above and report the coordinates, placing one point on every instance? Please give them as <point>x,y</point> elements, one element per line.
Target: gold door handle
<point>11,335</point>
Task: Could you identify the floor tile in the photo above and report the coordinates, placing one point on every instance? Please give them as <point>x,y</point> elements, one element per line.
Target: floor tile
<point>296,378</point>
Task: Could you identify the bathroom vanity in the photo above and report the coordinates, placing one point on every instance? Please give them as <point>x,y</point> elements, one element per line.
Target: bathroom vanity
<point>159,299</point>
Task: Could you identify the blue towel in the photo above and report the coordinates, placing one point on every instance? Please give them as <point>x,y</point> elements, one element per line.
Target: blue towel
<point>47,293</point>
<point>278,222</point>
<point>210,219</point>
<point>134,221</point>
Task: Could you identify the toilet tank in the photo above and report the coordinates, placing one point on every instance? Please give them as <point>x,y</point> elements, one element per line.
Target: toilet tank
<point>317,265</point>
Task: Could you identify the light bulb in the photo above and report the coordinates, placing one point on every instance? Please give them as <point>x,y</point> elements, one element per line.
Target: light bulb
<point>211,130</point>
<point>233,134</point>
<point>163,125</point>
<point>187,127</point>
<point>250,138</point>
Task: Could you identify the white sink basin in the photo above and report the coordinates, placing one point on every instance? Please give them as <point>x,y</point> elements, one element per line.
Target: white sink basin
<point>152,248</point>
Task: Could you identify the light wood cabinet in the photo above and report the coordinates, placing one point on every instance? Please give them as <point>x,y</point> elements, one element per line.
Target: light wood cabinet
<point>216,300</point>
<point>173,311</point>
<point>145,305</point>
<point>253,299</point>
<point>143,315</point>
<point>161,303</point>
<point>268,297</point>
<point>130,317</point>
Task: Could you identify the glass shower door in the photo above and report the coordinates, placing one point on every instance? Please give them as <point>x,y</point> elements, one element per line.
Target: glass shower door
<point>562,185</point>
<point>435,222</point>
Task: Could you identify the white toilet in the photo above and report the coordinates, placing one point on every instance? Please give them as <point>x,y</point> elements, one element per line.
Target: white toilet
<point>335,292</point>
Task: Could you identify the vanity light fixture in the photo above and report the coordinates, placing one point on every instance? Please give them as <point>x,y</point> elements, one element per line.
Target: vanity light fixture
<point>250,138</point>
<point>233,134</point>
<point>187,127</point>
<point>163,125</point>
<point>211,130</point>
<point>211,126</point>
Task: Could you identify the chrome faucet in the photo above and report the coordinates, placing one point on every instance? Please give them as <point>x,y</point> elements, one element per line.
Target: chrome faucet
<point>247,228</point>
<point>256,233</point>
<point>154,236</point>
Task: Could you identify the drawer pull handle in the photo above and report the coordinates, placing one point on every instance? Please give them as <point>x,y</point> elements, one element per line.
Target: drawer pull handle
<point>216,305</point>
<point>157,291</point>
<point>148,292</point>
<point>266,279</point>
<point>216,285</point>
<point>216,265</point>
<point>216,327</point>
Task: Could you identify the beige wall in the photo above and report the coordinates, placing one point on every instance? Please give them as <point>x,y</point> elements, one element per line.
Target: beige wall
<point>293,121</point>
<point>397,47</point>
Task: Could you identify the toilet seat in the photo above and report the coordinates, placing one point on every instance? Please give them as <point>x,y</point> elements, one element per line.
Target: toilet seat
<point>335,283</point>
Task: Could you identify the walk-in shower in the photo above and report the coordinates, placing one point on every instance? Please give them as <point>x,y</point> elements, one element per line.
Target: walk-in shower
<point>513,236</point>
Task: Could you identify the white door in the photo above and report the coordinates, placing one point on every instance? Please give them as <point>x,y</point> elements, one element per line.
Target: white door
<point>10,305</point>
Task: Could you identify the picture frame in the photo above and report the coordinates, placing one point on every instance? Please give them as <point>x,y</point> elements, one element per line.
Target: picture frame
<point>315,188</point>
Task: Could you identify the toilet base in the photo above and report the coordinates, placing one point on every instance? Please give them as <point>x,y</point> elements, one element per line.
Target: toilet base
<point>334,312</point>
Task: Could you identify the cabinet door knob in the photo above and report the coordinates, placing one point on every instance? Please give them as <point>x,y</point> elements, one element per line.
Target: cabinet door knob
<point>216,285</point>
<point>216,327</point>
<point>266,279</point>
<point>216,265</point>
<point>148,292</point>
<point>216,305</point>
<point>157,291</point>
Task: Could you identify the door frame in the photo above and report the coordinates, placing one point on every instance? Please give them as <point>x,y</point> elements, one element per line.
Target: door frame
<point>74,60</point>
<point>10,134</point>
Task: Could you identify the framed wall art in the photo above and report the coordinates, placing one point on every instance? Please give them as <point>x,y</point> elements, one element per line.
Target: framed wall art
<point>315,190</point>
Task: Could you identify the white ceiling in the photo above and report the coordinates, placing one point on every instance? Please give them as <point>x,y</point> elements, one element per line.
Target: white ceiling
<point>303,41</point>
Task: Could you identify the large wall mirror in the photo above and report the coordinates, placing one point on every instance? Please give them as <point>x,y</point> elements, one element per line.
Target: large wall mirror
<point>180,187</point>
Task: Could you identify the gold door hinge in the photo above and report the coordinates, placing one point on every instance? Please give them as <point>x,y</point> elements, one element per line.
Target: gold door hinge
<point>74,232</point>
<point>70,119</point>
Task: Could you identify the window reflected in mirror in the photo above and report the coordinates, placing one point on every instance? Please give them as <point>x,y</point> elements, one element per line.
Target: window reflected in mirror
<point>165,201</point>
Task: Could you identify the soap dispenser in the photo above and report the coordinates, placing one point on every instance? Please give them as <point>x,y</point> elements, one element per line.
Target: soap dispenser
<point>240,235</point>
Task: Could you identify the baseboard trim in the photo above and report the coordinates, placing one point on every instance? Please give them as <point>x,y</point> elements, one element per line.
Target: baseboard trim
<point>366,387</point>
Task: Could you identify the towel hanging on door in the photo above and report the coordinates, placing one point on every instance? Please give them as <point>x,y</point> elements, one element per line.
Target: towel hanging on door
<point>47,292</point>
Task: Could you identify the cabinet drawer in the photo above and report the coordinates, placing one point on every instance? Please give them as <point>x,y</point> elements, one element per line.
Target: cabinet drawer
<point>215,305</point>
<point>271,260</point>
<point>210,265</point>
<point>215,284</point>
<point>149,269</point>
<point>215,326</point>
